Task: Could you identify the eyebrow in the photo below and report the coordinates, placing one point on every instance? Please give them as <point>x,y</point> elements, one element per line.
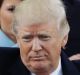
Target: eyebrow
<point>39,34</point>
<point>27,36</point>
<point>43,35</point>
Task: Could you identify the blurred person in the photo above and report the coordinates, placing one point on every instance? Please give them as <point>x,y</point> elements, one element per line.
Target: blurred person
<point>41,30</point>
<point>7,39</point>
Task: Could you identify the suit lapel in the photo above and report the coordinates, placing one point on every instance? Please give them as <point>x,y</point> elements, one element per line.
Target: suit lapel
<point>18,69</point>
<point>68,67</point>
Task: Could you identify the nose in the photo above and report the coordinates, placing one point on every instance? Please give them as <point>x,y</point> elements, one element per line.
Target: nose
<point>36,46</point>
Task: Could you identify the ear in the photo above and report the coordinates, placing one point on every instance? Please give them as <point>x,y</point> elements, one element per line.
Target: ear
<point>64,41</point>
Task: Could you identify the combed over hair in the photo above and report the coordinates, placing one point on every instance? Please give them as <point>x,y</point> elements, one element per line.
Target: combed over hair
<point>41,11</point>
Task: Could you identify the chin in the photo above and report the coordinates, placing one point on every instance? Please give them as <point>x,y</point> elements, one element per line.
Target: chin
<point>39,67</point>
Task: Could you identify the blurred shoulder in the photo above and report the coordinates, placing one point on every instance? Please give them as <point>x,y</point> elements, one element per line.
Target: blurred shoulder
<point>77,63</point>
<point>7,57</point>
<point>8,50</point>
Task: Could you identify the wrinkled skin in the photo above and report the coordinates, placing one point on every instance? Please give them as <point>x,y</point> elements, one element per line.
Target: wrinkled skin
<point>40,47</point>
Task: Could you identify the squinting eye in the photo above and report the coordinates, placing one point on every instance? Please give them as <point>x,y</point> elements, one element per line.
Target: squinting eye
<point>44,37</point>
<point>27,38</point>
<point>12,8</point>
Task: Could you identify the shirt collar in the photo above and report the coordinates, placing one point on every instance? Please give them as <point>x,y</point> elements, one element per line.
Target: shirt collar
<point>58,71</point>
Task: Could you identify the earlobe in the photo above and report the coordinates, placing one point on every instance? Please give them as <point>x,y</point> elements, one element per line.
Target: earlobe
<point>64,41</point>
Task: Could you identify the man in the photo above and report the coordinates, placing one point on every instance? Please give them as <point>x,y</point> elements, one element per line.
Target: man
<point>41,30</point>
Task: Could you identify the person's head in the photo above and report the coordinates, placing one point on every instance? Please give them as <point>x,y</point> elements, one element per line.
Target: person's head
<point>41,30</point>
<point>6,14</point>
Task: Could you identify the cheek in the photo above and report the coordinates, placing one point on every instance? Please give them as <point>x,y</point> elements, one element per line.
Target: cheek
<point>6,18</point>
<point>56,49</point>
<point>53,45</point>
<point>24,49</point>
<point>53,49</point>
<point>24,53</point>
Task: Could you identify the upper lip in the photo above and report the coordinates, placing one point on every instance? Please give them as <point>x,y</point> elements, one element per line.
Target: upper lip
<point>37,57</point>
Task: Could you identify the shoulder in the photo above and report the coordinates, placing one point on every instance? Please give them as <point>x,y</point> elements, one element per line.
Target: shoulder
<point>77,63</point>
<point>7,57</point>
<point>10,62</point>
<point>68,67</point>
<point>7,51</point>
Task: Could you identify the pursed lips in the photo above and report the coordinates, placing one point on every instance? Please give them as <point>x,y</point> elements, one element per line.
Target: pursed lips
<point>38,58</point>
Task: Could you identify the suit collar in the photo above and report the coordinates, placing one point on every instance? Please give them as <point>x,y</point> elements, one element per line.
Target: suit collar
<point>68,67</point>
<point>18,68</point>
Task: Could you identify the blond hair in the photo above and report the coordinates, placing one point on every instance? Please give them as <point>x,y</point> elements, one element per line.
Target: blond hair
<point>41,11</point>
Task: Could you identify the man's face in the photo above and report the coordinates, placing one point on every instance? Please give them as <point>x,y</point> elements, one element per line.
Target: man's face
<point>40,46</point>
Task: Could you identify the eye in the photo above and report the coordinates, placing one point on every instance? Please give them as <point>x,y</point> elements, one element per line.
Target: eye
<point>27,38</point>
<point>11,8</point>
<point>44,37</point>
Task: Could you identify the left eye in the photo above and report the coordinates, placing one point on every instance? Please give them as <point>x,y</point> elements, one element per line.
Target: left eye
<point>27,38</point>
<point>12,8</point>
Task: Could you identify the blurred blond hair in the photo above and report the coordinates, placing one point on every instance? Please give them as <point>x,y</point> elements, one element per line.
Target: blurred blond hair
<point>41,11</point>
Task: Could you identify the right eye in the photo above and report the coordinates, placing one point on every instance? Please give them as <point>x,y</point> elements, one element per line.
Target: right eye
<point>27,38</point>
<point>11,8</point>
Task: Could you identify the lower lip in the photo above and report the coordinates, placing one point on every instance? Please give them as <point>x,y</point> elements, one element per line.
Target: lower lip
<point>38,58</point>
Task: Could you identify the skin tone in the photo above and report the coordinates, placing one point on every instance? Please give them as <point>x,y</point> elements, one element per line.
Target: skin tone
<point>40,47</point>
<point>6,15</point>
<point>75,57</point>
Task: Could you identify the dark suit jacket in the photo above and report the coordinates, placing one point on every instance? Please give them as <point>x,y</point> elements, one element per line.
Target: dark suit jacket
<point>73,15</point>
<point>77,63</point>
<point>10,63</point>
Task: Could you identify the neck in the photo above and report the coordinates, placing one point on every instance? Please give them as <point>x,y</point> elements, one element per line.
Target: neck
<point>42,74</point>
<point>47,72</point>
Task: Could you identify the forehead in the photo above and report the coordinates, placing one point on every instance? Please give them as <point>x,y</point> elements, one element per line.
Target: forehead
<point>39,28</point>
<point>10,2</point>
